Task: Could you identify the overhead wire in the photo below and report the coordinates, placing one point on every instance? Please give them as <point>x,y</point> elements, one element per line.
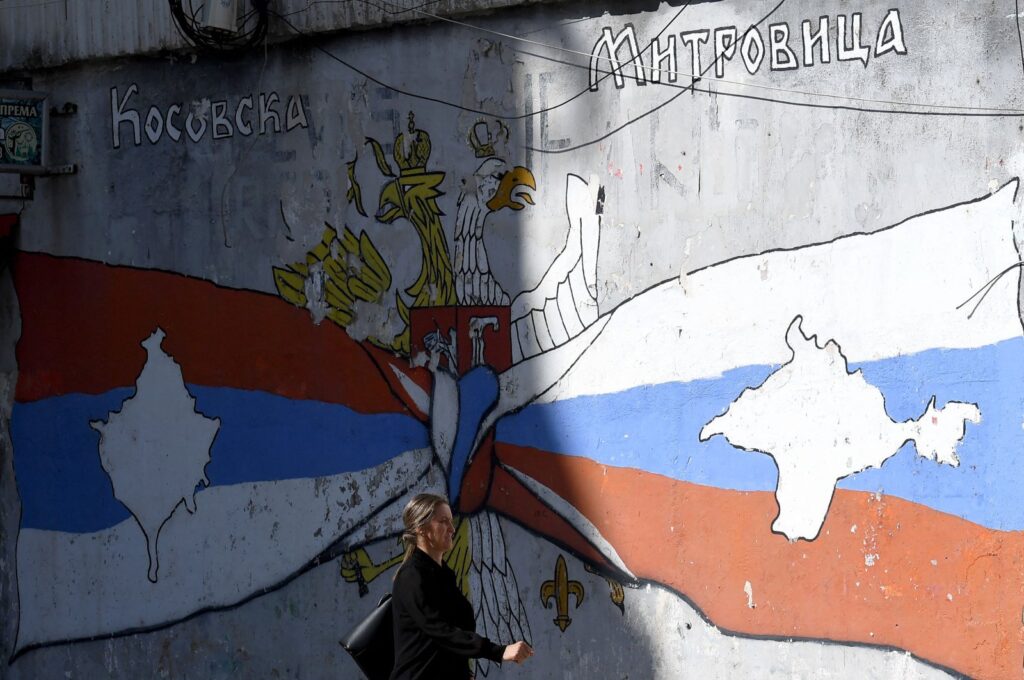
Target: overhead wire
<point>188,25</point>
<point>34,4</point>
<point>611,132</point>
<point>617,65</point>
<point>652,110</point>
<point>445,102</point>
<point>311,3</point>
<point>942,110</point>
<point>980,113</point>
<point>674,72</point>
<point>414,95</point>
<point>557,26</point>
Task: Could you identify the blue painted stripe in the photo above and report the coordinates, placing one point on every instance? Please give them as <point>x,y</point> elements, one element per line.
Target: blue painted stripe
<point>262,437</point>
<point>655,428</point>
<point>478,392</point>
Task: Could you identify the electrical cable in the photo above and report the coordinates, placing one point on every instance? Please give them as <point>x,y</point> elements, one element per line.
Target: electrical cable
<point>982,113</point>
<point>310,4</point>
<point>249,33</point>
<point>616,65</point>
<point>445,102</point>
<point>957,111</point>
<point>656,108</point>
<point>33,4</point>
<point>397,90</point>
<point>554,26</point>
<point>645,114</point>
<point>187,26</point>
<point>954,111</point>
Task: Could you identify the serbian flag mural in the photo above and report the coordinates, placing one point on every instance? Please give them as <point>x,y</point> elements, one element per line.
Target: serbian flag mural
<point>817,443</point>
<point>181,446</point>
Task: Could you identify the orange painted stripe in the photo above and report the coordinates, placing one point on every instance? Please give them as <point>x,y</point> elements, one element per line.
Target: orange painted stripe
<point>509,497</point>
<point>82,322</point>
<point>947,590</point>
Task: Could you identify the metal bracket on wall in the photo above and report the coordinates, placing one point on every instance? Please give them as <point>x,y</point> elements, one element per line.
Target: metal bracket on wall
<point>69,109</point>
<point>27,187</point>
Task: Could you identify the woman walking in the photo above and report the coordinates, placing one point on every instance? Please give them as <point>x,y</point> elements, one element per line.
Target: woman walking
<point>435,630</point>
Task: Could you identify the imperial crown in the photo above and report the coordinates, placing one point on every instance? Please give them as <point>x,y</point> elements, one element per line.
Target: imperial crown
<point>413,151</point>
<point>485,141</point>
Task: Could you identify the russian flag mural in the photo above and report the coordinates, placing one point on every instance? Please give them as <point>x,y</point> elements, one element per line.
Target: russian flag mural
<point>834,430</point>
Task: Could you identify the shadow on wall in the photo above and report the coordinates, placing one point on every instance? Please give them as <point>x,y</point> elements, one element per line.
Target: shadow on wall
<point>10,509</point>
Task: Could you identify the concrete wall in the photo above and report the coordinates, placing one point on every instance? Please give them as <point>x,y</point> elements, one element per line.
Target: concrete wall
<point>722,376</point>
<point>37,34</point>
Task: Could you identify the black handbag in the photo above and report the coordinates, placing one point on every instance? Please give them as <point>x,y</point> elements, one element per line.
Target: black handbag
<point>371,642</point>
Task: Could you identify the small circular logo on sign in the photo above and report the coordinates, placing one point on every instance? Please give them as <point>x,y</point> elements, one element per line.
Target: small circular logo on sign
<point>20,142</point>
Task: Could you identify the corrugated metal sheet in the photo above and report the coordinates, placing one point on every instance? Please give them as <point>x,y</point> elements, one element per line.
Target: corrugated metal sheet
<point>46,33</point>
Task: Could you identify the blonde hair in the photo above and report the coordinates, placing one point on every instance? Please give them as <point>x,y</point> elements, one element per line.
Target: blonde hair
<point>416,515</point>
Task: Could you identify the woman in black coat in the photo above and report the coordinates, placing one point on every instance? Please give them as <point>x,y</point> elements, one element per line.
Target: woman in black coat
<point>435,630</point>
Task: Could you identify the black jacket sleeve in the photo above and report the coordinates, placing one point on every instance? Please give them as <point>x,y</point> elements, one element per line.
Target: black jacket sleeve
<point>417,600</point>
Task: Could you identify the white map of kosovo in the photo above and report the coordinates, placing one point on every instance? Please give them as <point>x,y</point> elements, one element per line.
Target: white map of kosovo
<point>820,423</point>
<point>156,448</point>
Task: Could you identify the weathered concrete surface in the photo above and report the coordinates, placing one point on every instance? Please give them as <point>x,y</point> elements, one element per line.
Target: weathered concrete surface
<point>39,34</point>
<point>10,506</point>
<point>292,633</point>
<point>308,238</point>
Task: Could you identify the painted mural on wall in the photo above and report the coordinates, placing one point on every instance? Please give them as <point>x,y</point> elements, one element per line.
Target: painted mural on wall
<point>814,440</point>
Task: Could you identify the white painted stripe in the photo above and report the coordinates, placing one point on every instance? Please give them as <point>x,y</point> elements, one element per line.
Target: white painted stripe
<point>242,539</point>
<point>881,295</point>
<point>527,336</point>
<point>586,306</point>
<point>540,330</point>
<point>577,519</point>
<point>419,397</point>
<point>554,323</point>
<point>567,309</point>
<point>517,350</point>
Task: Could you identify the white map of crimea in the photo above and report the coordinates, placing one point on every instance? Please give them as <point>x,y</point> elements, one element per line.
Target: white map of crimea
<point>820,423</point>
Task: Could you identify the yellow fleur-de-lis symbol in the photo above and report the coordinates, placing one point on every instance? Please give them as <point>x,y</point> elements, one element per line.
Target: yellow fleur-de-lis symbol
<point>559,590</point>
<point>617,595</point>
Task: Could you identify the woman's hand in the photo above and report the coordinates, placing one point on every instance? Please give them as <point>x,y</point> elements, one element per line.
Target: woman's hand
<point>518,652</point>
